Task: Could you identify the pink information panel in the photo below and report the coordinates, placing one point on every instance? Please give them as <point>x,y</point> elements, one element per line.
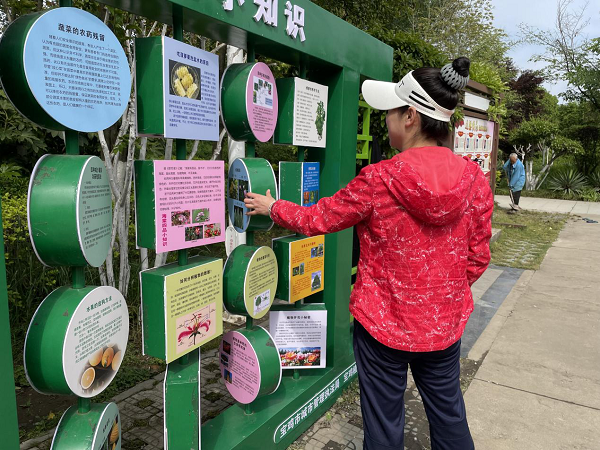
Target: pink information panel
<point>189,203</point>
<point>261,102</point>
<point>240,367</point>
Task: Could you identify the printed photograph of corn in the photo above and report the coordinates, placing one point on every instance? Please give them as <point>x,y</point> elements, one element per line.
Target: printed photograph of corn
<point>185,80</point>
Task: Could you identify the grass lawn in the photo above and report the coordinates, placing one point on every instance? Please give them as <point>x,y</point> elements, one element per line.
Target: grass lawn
<point>525,238</point>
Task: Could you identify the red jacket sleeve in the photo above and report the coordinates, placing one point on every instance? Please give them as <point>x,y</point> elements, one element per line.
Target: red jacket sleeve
<point>346,208</point>
<point>481,230</point>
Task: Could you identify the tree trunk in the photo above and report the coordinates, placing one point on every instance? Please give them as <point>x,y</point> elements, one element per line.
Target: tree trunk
<point>529,183</point>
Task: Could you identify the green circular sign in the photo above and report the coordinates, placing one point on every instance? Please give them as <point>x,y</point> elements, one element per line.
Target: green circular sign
<point>69,210</point>
<point>250,280</point>
<point>249,175</point>
<point>99,429</point>
<point>76,341</point>
<point>250,364</point>
<point>249,103</point>
<point>65,69</point>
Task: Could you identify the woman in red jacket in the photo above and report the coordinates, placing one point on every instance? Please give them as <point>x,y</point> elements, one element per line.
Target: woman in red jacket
<point>424,224</point>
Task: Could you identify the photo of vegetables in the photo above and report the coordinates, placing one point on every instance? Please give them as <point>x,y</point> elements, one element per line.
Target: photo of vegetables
<point>185,80</point>
<point>262,94</point>
<point>200,215</point>
<point>212,230</point>
<point>300,357</point>
<point>180,218</point>
<point>100,368</point>
<point>320,120</point>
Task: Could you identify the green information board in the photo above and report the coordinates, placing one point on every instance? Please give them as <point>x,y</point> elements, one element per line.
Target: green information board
<point>331,53</point>
<point>181,307</point>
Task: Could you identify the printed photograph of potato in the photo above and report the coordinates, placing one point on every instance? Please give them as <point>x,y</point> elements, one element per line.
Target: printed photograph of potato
<point>185,80</point>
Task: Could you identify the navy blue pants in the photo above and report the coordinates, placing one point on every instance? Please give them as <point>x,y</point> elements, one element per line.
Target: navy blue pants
<point>382,378</point>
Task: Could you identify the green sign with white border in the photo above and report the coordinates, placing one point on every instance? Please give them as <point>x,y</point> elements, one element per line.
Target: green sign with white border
<point>98,429</point>
<point>69,206</point>
<point>250,281</point>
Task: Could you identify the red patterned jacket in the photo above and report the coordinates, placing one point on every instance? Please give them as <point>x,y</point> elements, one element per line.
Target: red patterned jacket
<point>424,223</point>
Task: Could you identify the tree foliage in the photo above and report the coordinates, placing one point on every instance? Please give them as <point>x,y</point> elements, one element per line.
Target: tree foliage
<point>531,138</point>
<point>410,53</point>
<point>569,54</point>
<point>581,121</point>
<point>367,15</point>
<point>459,28</point>
<point>528,100</point>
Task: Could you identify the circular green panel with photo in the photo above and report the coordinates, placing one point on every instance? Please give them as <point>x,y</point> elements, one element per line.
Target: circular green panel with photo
<point>250,281</point>
<point>76,341</point>
<point>249,102</point>
<point>99,429</point>
<point>250,364</point>
<point>69,210</point>
<point>249,175</point>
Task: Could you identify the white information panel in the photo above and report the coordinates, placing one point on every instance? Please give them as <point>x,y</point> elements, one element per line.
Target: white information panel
<point>301,337</point>
<point>310,114</point>
<point>191,97</point>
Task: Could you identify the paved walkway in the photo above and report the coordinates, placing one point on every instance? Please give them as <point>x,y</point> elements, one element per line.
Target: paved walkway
<point>552,205</point>
<point>539,385</point>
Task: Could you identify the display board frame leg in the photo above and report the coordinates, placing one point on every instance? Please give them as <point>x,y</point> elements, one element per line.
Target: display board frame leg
<point>9,426</point>
<point>182,402</point>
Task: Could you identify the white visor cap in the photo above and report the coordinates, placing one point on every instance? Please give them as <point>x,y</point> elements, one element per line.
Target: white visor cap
<point>384,96</point>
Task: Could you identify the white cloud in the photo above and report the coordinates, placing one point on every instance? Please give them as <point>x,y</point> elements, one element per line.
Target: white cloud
<point>509,14</point>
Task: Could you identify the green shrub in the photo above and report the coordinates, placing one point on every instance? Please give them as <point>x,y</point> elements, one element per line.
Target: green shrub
<point>590,194</point>
<point>28,281</point>
<point>13,185</point>
<point>568,182</point>
<point>594,180</point>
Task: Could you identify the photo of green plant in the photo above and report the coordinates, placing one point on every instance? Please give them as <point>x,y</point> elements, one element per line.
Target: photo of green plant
<point>320,120</point>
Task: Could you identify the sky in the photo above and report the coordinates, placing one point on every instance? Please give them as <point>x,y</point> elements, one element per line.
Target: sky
<point>509,14</point>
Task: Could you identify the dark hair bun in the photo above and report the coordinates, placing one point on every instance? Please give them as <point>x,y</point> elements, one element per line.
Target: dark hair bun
<point>461,65</point>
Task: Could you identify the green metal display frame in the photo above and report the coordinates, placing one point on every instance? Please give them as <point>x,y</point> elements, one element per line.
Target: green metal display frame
<point>334,54</point>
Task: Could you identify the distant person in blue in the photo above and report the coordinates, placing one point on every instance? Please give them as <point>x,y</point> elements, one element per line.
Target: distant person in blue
<point>515,173</point>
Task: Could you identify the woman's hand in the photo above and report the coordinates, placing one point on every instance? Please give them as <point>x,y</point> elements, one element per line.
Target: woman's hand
<point>258,204</point>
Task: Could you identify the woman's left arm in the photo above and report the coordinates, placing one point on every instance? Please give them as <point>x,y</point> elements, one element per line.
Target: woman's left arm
<point>346,208</point>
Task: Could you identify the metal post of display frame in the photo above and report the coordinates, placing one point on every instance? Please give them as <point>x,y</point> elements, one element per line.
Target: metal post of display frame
<point>182,378</point>
<point>9,426</point>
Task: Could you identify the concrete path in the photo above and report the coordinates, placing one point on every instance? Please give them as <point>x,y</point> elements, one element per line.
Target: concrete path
<point>539,385</point>
<point>552,205</point>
